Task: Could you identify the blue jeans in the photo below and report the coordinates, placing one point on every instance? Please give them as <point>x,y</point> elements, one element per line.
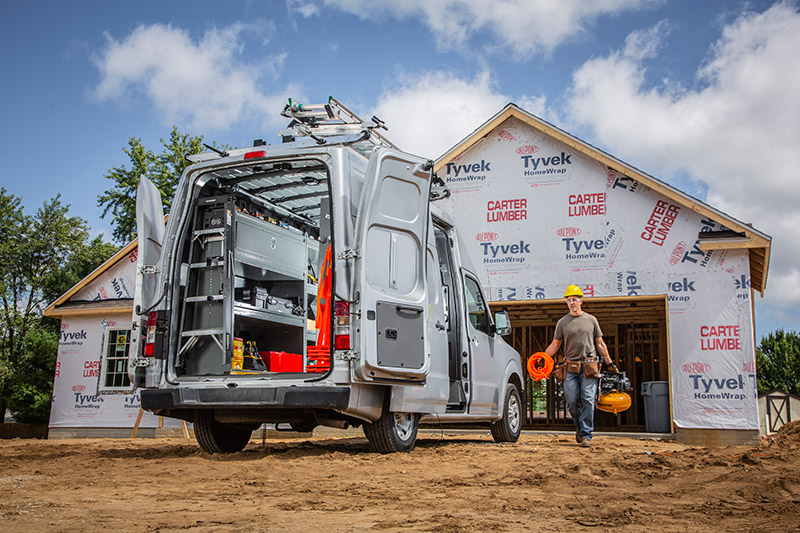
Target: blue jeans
<point>580,393</point>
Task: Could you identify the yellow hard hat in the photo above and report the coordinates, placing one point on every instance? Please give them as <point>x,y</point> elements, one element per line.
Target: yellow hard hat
<point>613,402</point>
<point>573,290</point>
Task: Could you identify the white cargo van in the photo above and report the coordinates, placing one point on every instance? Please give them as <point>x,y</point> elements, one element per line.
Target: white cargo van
<point>314,282</point>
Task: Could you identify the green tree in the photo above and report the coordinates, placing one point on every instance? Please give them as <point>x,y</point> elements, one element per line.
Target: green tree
<point>32,393</point>
<point>80,263</point>
<point>41,256</point>
<point>778,362</point>
<point>164,170</point>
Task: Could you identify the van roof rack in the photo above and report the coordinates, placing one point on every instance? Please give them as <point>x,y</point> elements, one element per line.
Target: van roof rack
<point>319,121</point>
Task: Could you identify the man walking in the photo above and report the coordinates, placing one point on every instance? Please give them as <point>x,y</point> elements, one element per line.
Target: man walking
<point>580,334</point>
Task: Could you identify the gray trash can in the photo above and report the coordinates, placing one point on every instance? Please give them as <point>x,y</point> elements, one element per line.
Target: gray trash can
<point>656,406</point>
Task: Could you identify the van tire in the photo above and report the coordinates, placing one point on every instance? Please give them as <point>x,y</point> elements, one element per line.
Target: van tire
<point>392,432</point>
<point>508,428</point>
<point>216,437</point>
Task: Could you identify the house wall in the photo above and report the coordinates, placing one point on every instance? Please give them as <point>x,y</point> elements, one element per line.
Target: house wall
<point>536,216</point>
<point>79,399</point>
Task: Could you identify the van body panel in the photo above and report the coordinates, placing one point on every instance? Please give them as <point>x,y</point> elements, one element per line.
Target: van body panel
<point>434,394</point>
<point>485,353</point>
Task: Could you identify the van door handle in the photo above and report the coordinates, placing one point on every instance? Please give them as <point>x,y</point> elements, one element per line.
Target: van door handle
<point>416,310</point>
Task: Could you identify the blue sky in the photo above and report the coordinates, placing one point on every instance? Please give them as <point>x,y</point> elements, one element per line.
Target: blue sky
<point>702,95</point>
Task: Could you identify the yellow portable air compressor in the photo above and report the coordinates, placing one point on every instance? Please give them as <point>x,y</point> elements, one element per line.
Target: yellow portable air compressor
<point>612,394</point>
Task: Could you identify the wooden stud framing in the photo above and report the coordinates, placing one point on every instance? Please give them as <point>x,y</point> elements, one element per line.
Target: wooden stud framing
<point>637,325</point>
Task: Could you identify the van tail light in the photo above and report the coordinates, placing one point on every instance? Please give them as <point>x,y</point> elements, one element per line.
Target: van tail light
<point>154,334</point>
<point>150,335</point>
<point>341,327</point>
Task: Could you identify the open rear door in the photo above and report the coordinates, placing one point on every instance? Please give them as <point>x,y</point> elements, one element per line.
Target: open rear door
<point>391,237</point>
<point>150,229</point>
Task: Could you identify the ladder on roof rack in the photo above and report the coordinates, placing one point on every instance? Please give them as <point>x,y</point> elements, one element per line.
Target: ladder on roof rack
<point>333,118</point>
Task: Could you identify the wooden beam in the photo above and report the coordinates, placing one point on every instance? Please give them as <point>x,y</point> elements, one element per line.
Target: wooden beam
<point>62,313</point>
<point>728,245</point>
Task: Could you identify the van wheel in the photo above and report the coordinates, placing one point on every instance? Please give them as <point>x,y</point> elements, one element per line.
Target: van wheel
<point>216,437</point>
<point>508,428</point>
<point>392,432</point>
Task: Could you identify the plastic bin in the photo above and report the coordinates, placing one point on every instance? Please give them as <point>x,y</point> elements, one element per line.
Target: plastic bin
<point>285,362</point>
<point>319,359</point>
<point>656,406</point>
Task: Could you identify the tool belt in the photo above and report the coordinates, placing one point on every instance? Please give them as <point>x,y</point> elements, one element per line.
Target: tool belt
<point>590,367</point>
<point>560,372</point>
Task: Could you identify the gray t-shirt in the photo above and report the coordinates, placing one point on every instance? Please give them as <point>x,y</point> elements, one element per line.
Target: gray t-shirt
<point>578,334</point>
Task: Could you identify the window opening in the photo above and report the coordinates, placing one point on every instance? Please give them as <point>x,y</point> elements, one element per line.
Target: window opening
<point>115,362</point>
<point>476,307</point>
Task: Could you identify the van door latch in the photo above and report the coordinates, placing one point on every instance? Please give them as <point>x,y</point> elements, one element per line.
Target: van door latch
<point>351,253</point>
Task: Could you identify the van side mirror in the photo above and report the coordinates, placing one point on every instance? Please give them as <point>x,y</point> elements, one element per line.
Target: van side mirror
<point>502,324</point>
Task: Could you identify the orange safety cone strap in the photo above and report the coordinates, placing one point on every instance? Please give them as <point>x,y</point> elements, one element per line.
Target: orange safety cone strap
<point>540,365</point>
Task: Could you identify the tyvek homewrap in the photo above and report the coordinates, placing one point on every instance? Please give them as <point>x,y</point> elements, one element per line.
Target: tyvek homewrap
<point>79,397</point>
<point>79,400</point>
<point>537,216</point>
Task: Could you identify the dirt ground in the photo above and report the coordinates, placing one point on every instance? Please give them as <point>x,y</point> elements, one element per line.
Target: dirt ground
<point>450,482</point>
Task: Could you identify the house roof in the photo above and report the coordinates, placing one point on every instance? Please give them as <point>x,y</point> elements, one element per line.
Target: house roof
<point>740,236</point>
<point>63,307</point>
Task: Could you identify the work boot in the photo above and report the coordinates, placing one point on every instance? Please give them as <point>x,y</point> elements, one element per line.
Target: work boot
<point>578,438</point>
<point>586,443</point>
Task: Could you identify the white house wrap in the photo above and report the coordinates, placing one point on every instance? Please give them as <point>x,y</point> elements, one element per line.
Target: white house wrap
<point>540,212</point>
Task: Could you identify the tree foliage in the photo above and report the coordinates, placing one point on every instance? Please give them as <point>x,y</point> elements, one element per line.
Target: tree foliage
<point>32,391</point>
<point>778,362</point>
<point>164,170</point>
<point>41,257</point>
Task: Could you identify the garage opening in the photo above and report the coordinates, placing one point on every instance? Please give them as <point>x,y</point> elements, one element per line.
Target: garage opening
<point>635,330</point>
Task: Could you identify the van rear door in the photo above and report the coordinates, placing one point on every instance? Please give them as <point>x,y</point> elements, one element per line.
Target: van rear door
<point>391,236</point>
<point>150,229</point>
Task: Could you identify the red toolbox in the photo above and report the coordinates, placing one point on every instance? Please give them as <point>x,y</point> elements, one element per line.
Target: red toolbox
<point>283,361</point>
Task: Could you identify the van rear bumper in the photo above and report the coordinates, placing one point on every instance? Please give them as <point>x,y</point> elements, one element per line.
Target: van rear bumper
<point>336,398</point>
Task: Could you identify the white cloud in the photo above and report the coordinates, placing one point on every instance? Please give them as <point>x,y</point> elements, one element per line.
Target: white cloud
<point>428,114</point>
<point>202,84</point>
<point>524,26</point>
<point>644,44</point>
<point>737,134</point>
<point>305,7</point>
